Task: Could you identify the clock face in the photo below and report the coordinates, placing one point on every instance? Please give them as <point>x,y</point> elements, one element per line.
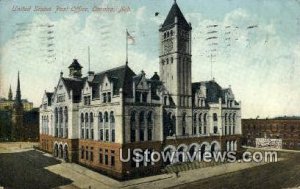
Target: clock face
<point>168,45</point>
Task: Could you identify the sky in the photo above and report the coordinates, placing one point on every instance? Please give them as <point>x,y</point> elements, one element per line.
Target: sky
<point>254,47</point>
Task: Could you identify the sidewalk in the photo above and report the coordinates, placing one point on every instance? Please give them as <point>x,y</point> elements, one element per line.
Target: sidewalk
<point>271,149</point>
<point>85,178</point>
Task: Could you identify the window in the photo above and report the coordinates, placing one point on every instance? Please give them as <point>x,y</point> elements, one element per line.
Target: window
<point>215,117</point>
<point>132,126</point>
<point>144,95</point>
<point>106,135</point>
<point>100,156</point>
<point>106,157</point>
<point>113,135</point>
<point>92,154</point>
<point>82,152</point>
<point>112,117</point>
<point>100,117</point>
<point>92,125</point>
<point>142,125</point>
<point>141,134</point>
<point>215,129</point>
<point>104,98</point>
<point>149,134</point>
<point>108,97</point>
<point>112,158</point>
<point>87,152</point>
<point>137,96</point>
<point>101,134</point>
<point>194,124</point>
<point>106,117</point>
<point>183,123</point>
<point>150,125</point>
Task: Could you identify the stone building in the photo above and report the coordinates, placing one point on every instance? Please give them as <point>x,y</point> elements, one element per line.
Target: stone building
<point>285,130</point>
<point>19,121</point>
<point>89,119</point>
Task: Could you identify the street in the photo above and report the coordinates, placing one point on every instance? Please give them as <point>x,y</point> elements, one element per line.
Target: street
<point>283,174</point>
<point>23,167</point>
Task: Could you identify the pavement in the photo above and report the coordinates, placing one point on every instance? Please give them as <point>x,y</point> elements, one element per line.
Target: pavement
<point>27,168</point>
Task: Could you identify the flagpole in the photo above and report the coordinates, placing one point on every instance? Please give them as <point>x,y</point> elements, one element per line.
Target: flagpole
<point>126,47</point>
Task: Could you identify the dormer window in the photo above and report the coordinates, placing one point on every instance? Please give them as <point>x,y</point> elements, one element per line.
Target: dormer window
<point>87,100</point>
<point>108,97</point>
<point>104,98</point>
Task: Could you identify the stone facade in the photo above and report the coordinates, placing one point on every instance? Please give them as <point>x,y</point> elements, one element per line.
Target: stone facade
<point>115,111</point>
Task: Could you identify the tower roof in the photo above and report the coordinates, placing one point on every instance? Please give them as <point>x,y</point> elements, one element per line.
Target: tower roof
<point>75,64</point>
<point>18,100</point>
<point>175,12</point>
<point>10,95</point>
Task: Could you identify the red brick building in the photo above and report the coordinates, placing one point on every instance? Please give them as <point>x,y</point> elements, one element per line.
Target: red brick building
<point>90,120</point>
<point>287,129</point>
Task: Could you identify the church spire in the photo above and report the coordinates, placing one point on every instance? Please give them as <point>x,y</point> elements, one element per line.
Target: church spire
<point>10,95</point>
<point>18,92</point>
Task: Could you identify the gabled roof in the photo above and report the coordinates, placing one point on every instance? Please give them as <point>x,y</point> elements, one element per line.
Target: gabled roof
<point>76,85</point>
<point>213,90</point>
<point>170,20</point>
<point>121,78</point>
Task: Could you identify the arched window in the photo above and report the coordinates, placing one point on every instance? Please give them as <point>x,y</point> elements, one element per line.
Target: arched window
<point>215,117</point>
<point>142,125</point>
<point>183,123</point>
<point>229,123</point>
<point>165,35</point>
<point>66,114</point>
<point>86,118</point>
<point>91,117</point>
<point>195,124</point>
<point>204,123</point>
<point>171,32</point>
<point>82,125</point>
<point>100,117</point>
<point>200,124</point>
<point>86,125</point>
<point>92,125</point>
<point>101,132</point>
<point>168,34</point>
<point>150,125</point>
<point>225,120</point>
<point>233,123</point>
<point>132,126</point>
<point>106,117</point>
<point>112,117</point>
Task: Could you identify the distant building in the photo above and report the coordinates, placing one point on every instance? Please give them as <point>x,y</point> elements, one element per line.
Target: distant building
<point>18,120</point>
<point>7,104</point>
<point>90,119</point>
<point>284,132</point>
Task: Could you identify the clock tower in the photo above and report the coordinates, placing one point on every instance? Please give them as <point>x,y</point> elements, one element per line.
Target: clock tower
<point>175,57</point>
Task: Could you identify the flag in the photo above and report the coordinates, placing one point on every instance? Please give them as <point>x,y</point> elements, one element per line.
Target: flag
<point>130,39</point>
